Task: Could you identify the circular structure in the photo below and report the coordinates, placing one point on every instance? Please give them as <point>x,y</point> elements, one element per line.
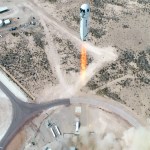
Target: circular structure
<point>80,125</point>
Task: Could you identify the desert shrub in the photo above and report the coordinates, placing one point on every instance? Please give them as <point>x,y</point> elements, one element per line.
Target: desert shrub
<point>142,62</point>
<point>16,34</point>
<point>98,33</point>
<point>115,2</point>
<point>92,85</point>
<point>76,19</point>
<point>52,1</point>
<point>38,39</point>
<point>143,1</point>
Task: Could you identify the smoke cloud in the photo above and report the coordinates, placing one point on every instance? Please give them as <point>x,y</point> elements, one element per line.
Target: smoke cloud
<point>132,139</point>
<point>137,139</point>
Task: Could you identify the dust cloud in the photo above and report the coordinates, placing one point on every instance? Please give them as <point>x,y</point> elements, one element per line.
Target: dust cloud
<point>132,139</point>
<point>63,89</point>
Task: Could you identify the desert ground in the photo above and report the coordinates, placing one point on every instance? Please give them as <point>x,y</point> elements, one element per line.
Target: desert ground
<point>43,54</point>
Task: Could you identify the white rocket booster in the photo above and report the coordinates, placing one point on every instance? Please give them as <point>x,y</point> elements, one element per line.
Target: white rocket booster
<point>84,21</point>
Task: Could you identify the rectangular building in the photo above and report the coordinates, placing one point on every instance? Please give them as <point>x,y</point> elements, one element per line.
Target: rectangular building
<point>3,9</point>
<point>73,148</point>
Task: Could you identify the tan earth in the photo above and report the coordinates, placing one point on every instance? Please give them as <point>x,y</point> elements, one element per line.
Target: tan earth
<point>43,54</point>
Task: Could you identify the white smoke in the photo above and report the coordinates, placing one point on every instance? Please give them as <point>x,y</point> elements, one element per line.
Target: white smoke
<point>132,139</point>
<point>137,139</point>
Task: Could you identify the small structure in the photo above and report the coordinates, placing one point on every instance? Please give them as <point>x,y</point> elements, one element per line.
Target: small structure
<point>77,126</point>
<point>47,148</point>
<point>7,21</point>
<point>57,130</point>
<point>72,148</point>
<point>3,9</point>
<point>1,23</point>
<point>33,23</point>
<point>52,130</point>
<point>78,110</point>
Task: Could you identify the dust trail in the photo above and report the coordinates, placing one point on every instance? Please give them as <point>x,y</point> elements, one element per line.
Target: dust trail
<point>67,32</point>
<point>101,55</point>
<point>65,90</point>
<point>131,139</point>
<point>53,57</point>
<point>105,55</point>
<point>50,49</point>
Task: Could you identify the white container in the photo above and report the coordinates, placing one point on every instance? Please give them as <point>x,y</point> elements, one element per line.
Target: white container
<point>54,135</point>
<point>3,9</point>
<point>58,131</point>
<point>1,23</point>
<point>72,148</point>
<point>7,21</point>
<point>77,126</point>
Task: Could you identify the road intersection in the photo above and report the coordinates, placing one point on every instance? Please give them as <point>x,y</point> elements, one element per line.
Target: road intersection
<point>22,112</point>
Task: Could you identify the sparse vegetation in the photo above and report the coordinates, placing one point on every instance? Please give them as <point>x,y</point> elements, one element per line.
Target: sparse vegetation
<point>101,3</point>
<point>98,33</point>
<point>110,94</point>
<point>28,33</point>
<point>92,85</point>
<point>52,1</point>
<point>143,1</point>
<point>16,34</point>
<point>137,63</point>
<point>28,66</point>
<point>38,39</point>
<point>76,18</point>
<point>68,51</point>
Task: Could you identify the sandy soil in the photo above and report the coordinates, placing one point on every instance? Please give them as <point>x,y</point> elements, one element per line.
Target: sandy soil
<point>45,56</point>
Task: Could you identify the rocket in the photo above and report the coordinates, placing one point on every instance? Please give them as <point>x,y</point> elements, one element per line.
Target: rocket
<point>84,21</point>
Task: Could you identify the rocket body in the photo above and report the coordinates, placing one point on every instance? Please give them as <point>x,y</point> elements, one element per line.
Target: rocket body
<point>84,21</point>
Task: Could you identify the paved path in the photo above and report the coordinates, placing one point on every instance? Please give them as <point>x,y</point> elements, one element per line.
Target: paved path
<point>22,112</point>
<point>119,110</point>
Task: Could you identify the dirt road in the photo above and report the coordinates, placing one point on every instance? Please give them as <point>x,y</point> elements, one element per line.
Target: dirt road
<point>101,55</point>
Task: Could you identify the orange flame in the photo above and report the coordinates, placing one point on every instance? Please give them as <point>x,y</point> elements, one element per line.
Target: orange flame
<point>83,61</point>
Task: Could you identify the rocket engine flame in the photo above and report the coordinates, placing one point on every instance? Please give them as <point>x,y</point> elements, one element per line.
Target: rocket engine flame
<point>83,61</point>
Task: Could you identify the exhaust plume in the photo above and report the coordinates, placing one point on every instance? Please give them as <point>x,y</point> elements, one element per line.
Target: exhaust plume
<point>83,61</point>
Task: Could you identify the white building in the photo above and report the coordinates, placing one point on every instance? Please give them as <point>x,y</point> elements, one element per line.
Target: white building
<point>1,23</point>
<point>72,148</point>
<point>3,9</point>
<point>7,21</point>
